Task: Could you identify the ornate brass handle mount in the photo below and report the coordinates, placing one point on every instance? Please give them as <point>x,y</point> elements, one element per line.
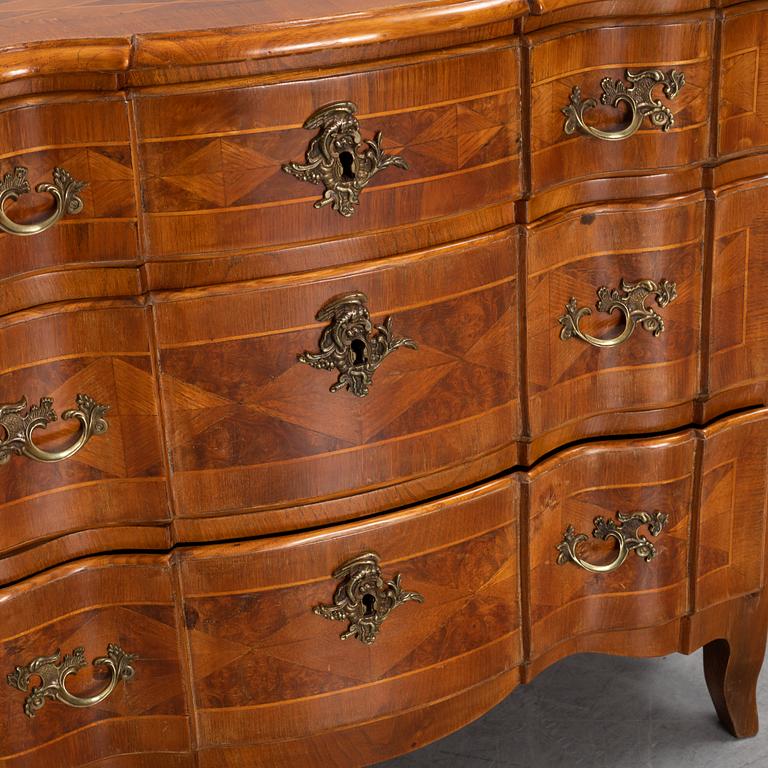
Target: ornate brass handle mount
<point>625,533</point>
<point>363,598</point>
<point>637,96</point>
<point>19,423</point>
<point>65,192</point>
<point>53,675</point>
<point>629,300</point>
<point>338,158</point>
<point>348,345</point>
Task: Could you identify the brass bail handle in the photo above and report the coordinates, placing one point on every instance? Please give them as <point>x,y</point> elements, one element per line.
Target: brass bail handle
<point>629,301</point>
<point>19,423</point>
<point>637,96</point>
<point>65,192</point>
<point>625,533</point>
<point>52,673</point>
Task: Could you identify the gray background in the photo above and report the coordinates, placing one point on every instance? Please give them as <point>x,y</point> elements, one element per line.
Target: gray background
<point>596,711</point>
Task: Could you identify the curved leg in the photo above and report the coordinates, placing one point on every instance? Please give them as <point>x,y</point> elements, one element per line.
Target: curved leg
<point>732,665</point>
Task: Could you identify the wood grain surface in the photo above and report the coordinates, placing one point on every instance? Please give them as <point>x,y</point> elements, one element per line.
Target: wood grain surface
<point>645,384</point>
<point>127,600</point>
<point>116,479</point>
<point>219,186</point>
<point>249,427</point>
<point>582,55</point>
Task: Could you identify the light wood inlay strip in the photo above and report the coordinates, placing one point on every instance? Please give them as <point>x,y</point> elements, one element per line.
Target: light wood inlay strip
<point>88,726</point>
<point>362,686</point>
<point>352,449</point>
<point>294,201</point>
<point>615,252</point>
<point>614,65</point>
<point>308,326</point>
<point>295,126</point>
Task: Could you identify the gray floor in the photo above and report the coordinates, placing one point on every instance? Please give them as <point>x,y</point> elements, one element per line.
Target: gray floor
<point>595,711</point>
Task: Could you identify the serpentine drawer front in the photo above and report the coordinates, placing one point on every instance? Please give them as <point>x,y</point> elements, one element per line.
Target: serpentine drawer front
<point>117,607</point>
<point>358,361</point>
<point>291,394</point>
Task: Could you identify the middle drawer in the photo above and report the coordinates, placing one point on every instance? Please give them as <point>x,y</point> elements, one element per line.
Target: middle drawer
<point>423,348</point>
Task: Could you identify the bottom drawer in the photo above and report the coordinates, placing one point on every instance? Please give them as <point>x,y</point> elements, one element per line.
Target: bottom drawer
<point>619,531</point>
<point>103,607</point>
<point>274,683</point>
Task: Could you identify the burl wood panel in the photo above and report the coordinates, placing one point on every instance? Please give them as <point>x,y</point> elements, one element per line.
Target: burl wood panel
<point>249,427</point>
<point>743,108</point>
<point>272,679</point>
<point>89,137</point>
<point>582,54</point>
<point>732,526</point>
<point>126,600</point>
<point>646,383</point>
<point>602,479</point>
<point>116,479</point>
<point>738,327</point>
<point>215,184</point>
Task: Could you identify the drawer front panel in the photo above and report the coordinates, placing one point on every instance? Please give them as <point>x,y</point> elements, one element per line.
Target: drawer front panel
<point>252,427</point>
<point>116,479</point>
<point>89,139</point>
<point>743,111</point>
<point>647,382</point>
<point>119,600</point>
<point>731,559</point>
<point>573,490</point>
<point>212,161</point>
<point>580,56</point>
<point>268,672</point>
<point>738,365</point>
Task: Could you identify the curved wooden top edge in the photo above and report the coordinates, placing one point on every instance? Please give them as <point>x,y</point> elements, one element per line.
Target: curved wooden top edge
<point>220,31</point>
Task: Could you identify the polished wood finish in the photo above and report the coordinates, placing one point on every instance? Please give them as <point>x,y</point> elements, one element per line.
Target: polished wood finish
<point>183,292</point>
<point>221,187</point>
<point>581,55</point>
<point>647,383</point>
<point>456,553</point>
<point>250,427</point>
<point>117,481</point>
<point>127,600</point>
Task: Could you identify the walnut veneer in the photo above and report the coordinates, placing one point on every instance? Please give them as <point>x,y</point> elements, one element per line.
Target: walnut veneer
<point>246,204</point>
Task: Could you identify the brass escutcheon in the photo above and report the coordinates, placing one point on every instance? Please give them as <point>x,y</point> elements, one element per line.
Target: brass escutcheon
<point>363,598</point>
<point>630,302</point>
<point>637,96</point>
<point>53,675</point>
<point>339,159</point>
<point>65,192</point>
<point>19,426</point>
<point>625,533</point>
<point>348,345</point>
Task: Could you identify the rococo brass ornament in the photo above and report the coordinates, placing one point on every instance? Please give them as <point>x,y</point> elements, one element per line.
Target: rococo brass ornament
<point>19,426</point>
<point>637,96</point>
<point>630,302</point>
<point>65,191</point>
<point>625,533</point>
<point>347,345</point>
<point>53,675</point>
<point>363,598</point>
<point>339,159</point>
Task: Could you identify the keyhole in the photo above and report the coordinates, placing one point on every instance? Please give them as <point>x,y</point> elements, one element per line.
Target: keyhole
<point>358,349</point>
<point>347,165</point>
<point>369,601</point>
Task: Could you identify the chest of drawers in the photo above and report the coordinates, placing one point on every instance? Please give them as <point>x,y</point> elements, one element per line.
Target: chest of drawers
<point>360,361</point>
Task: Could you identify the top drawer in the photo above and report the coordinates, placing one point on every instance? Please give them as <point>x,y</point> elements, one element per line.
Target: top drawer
<point>579,65</point>
<point>212,161</point>
<point>88,138</point>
